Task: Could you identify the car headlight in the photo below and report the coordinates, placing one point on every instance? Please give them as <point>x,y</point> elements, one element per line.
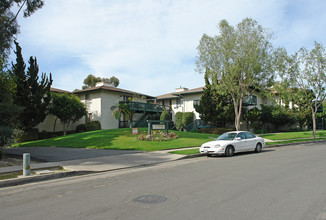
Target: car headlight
<point>217,146</point>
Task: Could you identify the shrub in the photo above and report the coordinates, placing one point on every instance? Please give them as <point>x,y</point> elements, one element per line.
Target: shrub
<point>81,128</point>
<point>5,136</point>
<point>178,121</point>
<point>93,125</point>
<point>165,116</point>
<point>30,135</point>
<point>157,135</point>
<point>253,119</point>
<point>187,118</point>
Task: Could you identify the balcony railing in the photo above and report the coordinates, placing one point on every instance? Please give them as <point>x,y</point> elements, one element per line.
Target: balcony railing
<point>146,107</point>
<point>249,100</point>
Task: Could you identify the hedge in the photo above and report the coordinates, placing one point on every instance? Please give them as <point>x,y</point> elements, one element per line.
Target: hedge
<point>187,118</point>
<point>93,125</point>
<point>178,121</point>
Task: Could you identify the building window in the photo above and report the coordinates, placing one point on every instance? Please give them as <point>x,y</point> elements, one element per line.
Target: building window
<point>197,102</point>
<point>179,102</point>
<point>86,96</point>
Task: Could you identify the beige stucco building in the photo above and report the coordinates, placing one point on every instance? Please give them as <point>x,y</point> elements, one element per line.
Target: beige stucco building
<point>100,102</point>
<point>182,100</point>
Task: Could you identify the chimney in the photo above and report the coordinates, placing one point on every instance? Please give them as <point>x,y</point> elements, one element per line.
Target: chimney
<point>181,89</point>
<point>99,84</point>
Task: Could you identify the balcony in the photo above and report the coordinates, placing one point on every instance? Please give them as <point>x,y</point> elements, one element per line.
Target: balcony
<point>250,100</point>
<point>138,107</point>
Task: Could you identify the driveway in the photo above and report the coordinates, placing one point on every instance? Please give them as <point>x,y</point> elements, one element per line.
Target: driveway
<point>54,154</point>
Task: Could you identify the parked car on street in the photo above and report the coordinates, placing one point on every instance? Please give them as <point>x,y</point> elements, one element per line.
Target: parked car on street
<point>233,142</point>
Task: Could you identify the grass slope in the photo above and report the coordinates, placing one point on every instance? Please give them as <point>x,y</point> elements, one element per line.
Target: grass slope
<point>293,135</point>
<point>121,139</point>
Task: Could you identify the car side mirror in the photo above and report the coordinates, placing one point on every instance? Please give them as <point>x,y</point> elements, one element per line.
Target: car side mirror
<point>238,138</point>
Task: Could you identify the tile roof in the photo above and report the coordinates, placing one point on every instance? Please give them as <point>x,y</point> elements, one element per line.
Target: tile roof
<point>58,90</point>
<point>113,89</point>
<point>176,94</point>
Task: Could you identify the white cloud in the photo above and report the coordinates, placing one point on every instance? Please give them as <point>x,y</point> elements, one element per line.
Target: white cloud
<point>147,44</point>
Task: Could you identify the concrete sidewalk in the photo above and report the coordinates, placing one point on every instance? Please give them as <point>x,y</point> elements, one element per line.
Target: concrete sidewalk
<point>95,163</point>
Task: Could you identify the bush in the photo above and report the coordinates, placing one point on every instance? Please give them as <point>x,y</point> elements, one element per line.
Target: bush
<point>187,118</point>
<point>157,135</point>
<point>178,121</point>
<point>253,119</point>
<point>93,126</point>
<point>5,136</point>
<point>214,130</point>
<point>165,116</point>
<point>81,128</point>
<point>30,135</point>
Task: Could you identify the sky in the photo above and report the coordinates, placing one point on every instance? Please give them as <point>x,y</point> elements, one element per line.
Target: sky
<point>151,45</point>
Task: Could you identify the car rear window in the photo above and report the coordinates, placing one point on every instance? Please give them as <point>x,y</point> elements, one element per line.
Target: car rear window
<point>250,135</point>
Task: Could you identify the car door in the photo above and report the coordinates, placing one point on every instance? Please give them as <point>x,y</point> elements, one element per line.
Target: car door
<point>241,142</point>
<point>250,141</point>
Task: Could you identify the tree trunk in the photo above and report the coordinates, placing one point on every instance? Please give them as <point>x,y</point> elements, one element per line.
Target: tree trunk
<point>55,122</point>
<point>237,111</point>
<point>64,129</point>
<point>237,103</point>
<point>313,124</point>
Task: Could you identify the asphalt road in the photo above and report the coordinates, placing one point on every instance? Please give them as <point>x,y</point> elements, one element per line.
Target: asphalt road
<point>281,183</point>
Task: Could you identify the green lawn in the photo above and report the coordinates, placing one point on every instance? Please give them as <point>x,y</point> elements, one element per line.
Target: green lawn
<point>293,141</point>
<point>121,139</point>
<point>293,135</point>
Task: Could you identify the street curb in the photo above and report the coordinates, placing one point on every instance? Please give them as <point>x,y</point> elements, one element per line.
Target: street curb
<point>39,178</point>
<point>266,147</point>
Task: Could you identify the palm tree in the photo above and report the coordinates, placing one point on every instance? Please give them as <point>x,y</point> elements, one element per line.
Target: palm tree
<point>121,109</point>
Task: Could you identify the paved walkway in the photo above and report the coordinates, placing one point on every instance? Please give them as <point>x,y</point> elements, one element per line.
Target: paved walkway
<point>92,160</point>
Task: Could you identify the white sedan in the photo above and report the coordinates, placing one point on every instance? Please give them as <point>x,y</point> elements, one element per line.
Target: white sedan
<point>233,142</point>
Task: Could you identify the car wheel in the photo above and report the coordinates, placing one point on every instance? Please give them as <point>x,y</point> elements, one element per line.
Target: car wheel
<point>258,148</point>
<point>229,151</point>
<point>208,155</point>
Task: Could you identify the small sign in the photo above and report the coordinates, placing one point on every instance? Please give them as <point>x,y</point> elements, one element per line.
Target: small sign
<point>135,131</point>
<point>158,127</point>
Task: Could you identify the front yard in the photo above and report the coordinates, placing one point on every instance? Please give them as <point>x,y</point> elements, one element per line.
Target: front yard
<point>120,139</point>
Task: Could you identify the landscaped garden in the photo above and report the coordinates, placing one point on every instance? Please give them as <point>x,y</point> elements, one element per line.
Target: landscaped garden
<point>121,139</point>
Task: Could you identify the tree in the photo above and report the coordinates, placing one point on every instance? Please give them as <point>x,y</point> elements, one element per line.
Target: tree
<point>305,70</point>
<point>178,121</point>
<point>114,81</point>
<point>8,111</point>
<point>276,115</point>
<point>239,60</point>
<point>32,93</point>
<point>253,119</point>
<point>9,27</point>
<point>121,109</point>
<point>68,108</point>
<point>214,106</point>
<point>91,80</point>
<point>187,118</point>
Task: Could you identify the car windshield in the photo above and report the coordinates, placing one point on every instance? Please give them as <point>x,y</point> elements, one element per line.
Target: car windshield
<point>227,136</point>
